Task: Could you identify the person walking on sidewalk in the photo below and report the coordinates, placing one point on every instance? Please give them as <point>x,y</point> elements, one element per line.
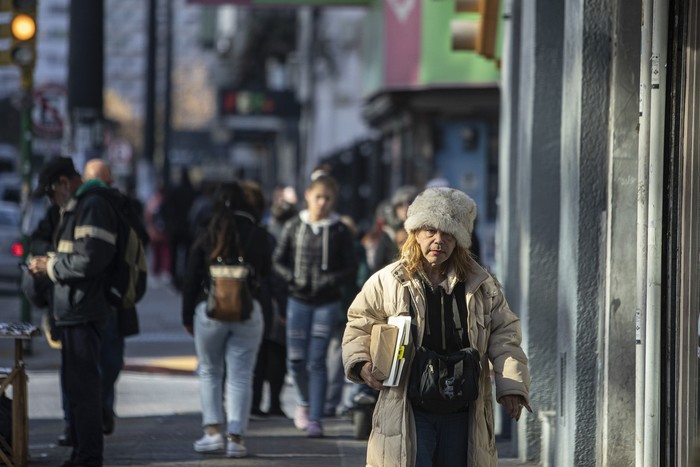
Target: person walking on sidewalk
<point>448,295</point>
<point>85,244</point>
<point>226,351</point>
<point>316,257</point>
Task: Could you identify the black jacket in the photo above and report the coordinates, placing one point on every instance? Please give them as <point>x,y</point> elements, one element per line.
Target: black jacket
<point>85,246</point>
<point>315,260</point>
<point>256,252</point>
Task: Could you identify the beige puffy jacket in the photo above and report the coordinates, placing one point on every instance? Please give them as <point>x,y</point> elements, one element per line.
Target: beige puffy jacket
<point>492,326</point>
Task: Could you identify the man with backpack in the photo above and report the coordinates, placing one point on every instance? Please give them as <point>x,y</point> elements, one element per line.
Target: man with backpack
<point>85,246</point>
<point>124,322</point>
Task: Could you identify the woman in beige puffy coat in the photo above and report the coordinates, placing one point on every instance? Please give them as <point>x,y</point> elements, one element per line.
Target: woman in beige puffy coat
<point>433,260</point>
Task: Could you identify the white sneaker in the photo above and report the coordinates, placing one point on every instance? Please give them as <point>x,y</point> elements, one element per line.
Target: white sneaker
<point>235,447</point>
<point>301,417</point>
<point>209,443</point>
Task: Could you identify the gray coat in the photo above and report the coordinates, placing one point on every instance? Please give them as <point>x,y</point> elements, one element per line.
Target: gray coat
<point>493,329</point>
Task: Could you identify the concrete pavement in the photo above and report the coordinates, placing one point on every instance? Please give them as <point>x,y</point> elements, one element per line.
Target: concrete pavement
<point>158,404</point>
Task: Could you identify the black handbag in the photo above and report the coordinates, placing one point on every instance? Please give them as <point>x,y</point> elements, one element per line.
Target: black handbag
<point>445,383</point>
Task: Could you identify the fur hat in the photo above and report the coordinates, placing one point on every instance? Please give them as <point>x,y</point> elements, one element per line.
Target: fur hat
<point>446,209</point>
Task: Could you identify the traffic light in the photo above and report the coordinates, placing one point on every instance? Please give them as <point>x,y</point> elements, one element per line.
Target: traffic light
<point>21,30</point>
<point>476,33</point>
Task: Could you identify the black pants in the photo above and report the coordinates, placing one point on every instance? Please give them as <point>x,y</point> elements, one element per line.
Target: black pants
<point>80,376</point>
<point>271,366</point>
<point>441,439</point>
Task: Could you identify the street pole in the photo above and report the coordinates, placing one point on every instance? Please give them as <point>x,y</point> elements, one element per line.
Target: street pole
<point>86,79</point>
<point>25,168</point>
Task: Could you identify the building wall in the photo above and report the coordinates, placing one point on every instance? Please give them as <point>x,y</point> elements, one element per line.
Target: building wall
<point>617,334</point>
<point>586,77</point>
<point>538,186</point>
<point>338,119</point>
<point>569,191</point>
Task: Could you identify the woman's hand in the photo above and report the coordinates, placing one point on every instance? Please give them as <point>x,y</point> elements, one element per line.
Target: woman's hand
<point>371,381</point>
<point>514,405</point>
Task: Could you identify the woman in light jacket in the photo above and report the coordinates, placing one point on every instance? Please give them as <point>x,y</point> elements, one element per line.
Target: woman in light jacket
<point>434,260</point>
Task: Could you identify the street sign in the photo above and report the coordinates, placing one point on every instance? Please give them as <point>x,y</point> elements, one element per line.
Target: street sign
<point>120,155</point>
<point>245,102</point>
<point>50,110</point>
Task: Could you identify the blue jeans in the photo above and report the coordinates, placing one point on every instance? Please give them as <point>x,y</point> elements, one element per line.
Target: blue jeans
<point>336,372</point>
<point>309,329</point>
<point>441,440</point>
<point>227,352</point>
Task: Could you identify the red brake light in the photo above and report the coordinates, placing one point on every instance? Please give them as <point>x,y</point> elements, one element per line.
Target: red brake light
<point>17,249</point>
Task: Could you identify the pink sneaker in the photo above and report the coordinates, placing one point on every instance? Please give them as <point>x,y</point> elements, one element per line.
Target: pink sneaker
<point>301,417</point>
<point>314,429</point>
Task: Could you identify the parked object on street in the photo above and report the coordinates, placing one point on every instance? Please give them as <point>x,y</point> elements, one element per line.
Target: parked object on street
<point>11,248</point>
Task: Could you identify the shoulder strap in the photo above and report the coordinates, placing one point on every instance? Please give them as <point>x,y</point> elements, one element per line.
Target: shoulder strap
<point>414,324</point>
<point>460,295</point>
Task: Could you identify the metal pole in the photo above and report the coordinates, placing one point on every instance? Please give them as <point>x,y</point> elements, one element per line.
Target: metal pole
<point>653,351</point>
<point>25,169</point>
<point>86,78</point>
<point>167,98</point>
<point>149,122</point>
<point>642,219</point>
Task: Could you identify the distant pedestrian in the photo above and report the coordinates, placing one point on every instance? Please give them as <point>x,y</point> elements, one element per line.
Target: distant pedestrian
<point>315,256</point>
<point>177,202</point>
<point>271,363</point>
<point>160,241</point>
<point>200,211</point>
<point>84,247</point>
<point>226,350</point>
<point>336,375</point>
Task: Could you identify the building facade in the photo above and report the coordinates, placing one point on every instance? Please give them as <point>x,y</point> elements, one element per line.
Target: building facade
<point>598,238</point>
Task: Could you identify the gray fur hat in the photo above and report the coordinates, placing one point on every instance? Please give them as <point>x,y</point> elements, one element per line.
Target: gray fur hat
<point>445,209</point>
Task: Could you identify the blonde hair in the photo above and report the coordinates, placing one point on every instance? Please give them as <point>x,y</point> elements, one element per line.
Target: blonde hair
<point>460,259</point>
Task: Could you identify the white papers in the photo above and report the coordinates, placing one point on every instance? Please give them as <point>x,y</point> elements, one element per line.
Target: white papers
<point>403,323</point>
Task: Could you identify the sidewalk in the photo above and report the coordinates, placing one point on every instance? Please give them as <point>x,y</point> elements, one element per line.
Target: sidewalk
<point>159,418</point>
<point>158,405</point>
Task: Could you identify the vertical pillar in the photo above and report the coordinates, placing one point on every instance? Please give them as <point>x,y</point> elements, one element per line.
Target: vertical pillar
<point>538,135</point>
<point>585,137</point>
<point>86,78</point>
<point>149,113</point>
